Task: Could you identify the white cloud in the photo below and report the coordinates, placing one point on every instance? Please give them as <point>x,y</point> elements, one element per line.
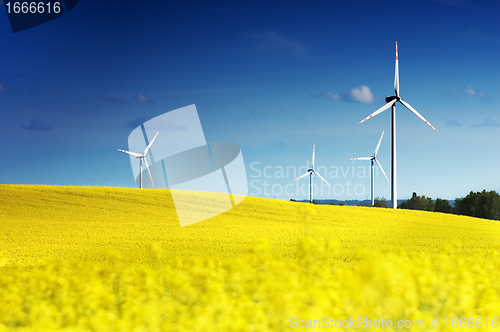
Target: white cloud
<point>470,91</point>
<point>361,94</point>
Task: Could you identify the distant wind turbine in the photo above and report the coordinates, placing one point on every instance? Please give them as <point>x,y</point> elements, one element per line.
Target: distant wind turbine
<point>310,173</point>
<point>374,158</point>
<point>391,102</point>
<point>141,157</point>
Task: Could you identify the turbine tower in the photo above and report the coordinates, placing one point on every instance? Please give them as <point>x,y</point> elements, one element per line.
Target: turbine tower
<point>391,102</point>
<point>141,157</point>
<point>310,173</point>
<point>372,159</point>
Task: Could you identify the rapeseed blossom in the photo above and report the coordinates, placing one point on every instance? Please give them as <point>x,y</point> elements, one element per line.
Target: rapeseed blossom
<point>113,259</point>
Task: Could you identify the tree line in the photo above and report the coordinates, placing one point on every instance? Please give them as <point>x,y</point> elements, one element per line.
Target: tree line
<point>483,204</point>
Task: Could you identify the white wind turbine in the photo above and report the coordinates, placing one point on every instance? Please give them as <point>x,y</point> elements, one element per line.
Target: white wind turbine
<point>141,157</point>
<point>310,173</point>
<point>374,158</point>
<point>391,102</point>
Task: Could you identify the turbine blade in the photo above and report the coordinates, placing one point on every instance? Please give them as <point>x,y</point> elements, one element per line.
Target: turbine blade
<point>322,178</point>
<point>382,170</point>
<point>408,106</point>
<point>314,148</point>
<point>131,153</point>
<point>380,110</point>
<point>147,166</point>
<point>362,158</point>
<point>150,143</point>
<point>378,145</point>
<point>302,175</point>
<point>396,74</point>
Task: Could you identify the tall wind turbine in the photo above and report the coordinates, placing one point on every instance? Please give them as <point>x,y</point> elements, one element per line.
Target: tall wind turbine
<point>310,173</point>
<point>141,157</point>
<point>391,102</point>
<point>374,158</point>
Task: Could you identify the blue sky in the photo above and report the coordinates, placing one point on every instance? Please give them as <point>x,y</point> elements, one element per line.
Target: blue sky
<point>272,77</point>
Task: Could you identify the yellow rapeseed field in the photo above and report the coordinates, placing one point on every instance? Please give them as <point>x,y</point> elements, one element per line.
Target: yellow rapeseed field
<point>116,259</point>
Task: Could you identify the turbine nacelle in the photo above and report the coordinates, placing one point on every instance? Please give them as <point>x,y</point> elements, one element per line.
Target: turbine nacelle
<point>389,99</point>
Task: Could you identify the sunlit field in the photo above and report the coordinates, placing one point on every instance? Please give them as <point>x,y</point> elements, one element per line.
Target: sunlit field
<point>116,259</point>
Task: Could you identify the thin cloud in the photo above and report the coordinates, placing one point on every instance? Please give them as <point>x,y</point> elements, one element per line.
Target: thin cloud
<point>37,125</point>
<point>194,91</point>
<point>140,98</point>
<point>112,99</point>
<point>361,94</point>
<point>487,123</point>
<point>456,3</point>
<point>453,123</point>
<point>474,36</point>
<point>327,95</point>
<point>4,87</point>
<point>468,90</point>
<point>258,113</point>
<point>271,41</point>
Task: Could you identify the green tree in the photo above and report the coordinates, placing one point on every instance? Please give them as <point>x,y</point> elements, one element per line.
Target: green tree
<point>418,203</point>
<point>480,204</point>
<point>380,202</point>
<point>442,205</point>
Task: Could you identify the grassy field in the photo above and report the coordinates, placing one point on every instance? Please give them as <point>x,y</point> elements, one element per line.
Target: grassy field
<point>102,259</point>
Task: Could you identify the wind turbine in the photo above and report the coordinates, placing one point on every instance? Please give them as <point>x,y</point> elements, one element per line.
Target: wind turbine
<point>374,158</point>
<point>391,102</point>
<point>141,157</point>
<point>310,173</point>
